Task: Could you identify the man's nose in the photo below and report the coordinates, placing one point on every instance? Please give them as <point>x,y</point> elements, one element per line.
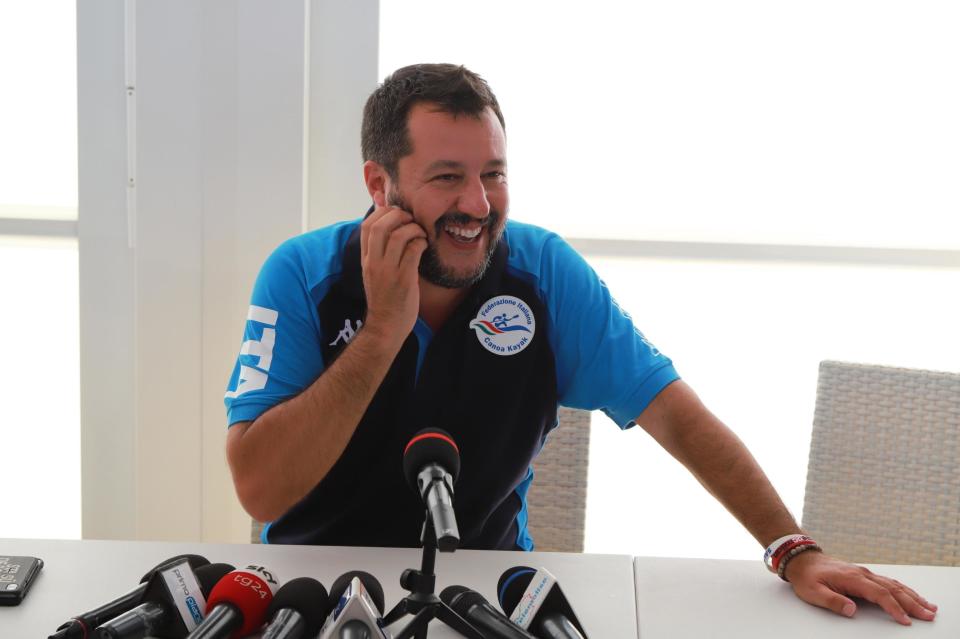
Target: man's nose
<point>473,199</point>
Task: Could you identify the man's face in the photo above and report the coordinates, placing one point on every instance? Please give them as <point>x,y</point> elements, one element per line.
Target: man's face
<point>454,184</point>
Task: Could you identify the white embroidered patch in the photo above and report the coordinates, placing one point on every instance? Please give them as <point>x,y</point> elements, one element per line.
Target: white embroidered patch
<point>505,325</point>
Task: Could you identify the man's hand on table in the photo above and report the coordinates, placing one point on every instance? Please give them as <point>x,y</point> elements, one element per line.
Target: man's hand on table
<point>824,581</point>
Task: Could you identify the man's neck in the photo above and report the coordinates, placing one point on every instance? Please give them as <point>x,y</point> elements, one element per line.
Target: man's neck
<point>438,303</point>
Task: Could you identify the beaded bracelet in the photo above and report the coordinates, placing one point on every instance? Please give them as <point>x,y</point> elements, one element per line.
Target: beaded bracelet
<point>780,547</point>
<point>793,552</point>
<point>789,548</point>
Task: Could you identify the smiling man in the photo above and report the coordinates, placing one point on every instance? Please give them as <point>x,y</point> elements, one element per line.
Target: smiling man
<point>436,311</point>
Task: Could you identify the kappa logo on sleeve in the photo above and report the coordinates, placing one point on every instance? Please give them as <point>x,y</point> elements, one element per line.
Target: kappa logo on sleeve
<point>254,377</point>
<point>347,333</point>
<point>505,325</point>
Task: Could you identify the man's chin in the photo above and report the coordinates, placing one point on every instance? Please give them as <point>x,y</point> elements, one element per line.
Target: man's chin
<point>441,273</point>
<point>446,277</point>
<point>434,270</point>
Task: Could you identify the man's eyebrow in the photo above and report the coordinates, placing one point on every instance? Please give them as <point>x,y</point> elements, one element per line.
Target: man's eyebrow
<point>440,165</point>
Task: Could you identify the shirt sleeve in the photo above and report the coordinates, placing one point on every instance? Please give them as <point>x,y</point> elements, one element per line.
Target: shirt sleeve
<point>280,352</point>
<point>603,361</point>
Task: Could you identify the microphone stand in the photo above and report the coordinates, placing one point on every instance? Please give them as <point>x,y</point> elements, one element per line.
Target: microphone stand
<point>421,602</point>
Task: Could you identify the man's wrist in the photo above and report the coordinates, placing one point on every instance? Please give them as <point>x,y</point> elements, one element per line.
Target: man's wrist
<point>383,337</point>
<point>796,563</point>
<point>781,551</point>
<point>790,556</point>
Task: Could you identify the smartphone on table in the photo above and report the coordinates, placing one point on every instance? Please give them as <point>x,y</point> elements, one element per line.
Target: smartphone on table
<point>16,576</point>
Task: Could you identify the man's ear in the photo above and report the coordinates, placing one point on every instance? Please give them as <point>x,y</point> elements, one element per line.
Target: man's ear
<point>376,179</point>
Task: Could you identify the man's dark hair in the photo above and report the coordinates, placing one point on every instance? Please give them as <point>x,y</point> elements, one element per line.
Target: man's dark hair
<point>454,89</point>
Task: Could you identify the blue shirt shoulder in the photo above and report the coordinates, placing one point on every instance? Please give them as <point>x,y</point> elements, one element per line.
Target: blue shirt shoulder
<point>603,361</point>
<point>280,353</point>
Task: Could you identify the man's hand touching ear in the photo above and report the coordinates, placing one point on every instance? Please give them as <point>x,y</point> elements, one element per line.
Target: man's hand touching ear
<point>391,244</point>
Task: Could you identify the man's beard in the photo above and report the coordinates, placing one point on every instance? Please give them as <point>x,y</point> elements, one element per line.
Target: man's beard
<point>432,269</point>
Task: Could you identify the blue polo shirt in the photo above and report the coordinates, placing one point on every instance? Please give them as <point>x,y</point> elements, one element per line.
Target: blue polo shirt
<point>539,330</point>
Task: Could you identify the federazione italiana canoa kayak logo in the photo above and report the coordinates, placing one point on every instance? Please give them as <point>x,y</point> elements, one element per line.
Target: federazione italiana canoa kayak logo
<point>505,325</point>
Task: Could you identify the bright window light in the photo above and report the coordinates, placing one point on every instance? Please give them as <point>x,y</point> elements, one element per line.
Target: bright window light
<point>38,109</point>
<point>749,339</point>
<point>822,124</point>
<point>829,122</point>
<point>40,378</point>
<point>40,382</point>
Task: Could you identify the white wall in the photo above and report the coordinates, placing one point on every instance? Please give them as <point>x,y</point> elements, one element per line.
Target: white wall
<point>219,161</point>
<point>344,37</point>
<point>107,404</point>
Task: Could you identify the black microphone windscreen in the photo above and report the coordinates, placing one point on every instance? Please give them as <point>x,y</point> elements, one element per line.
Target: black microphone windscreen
<point>195,562</point>
<point>308,597</point>
<point>430,445</point>
<point>209,575</point>
<point>450,592</point>
<point>511,586</point>
<point>374,589</point>
<point>460,598</point>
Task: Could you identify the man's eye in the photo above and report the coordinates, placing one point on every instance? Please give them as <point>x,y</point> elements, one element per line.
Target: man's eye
<point>495,175</point>
<point>447,177</point>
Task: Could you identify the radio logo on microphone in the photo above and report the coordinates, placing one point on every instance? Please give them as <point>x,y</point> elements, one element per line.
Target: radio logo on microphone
<point>194,609</point>
<point>254,584</point>
<point>266,574</point>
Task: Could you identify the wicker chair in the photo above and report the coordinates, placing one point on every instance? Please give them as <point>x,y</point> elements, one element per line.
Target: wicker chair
<point>883,482</point>
<point>256,529</point>
<point>557,501</point>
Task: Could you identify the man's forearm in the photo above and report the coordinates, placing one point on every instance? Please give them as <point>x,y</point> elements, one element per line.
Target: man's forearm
<point>278,458</point>
<point>722,463</point>
<point>719,461</point>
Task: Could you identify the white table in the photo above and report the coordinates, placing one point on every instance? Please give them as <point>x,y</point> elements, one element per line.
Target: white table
<point>678,598</point>
<point>612,594</point>
<point>80,575</point>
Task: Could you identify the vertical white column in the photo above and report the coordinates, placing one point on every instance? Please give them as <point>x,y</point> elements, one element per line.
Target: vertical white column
<point>253,148</point>
<point>344,46</point>
<point>107,406</point>
<point>168,272</point>
<point>220,163</point>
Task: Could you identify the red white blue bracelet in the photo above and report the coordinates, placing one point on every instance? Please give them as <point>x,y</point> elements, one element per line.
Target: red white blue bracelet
<point>781,551</point>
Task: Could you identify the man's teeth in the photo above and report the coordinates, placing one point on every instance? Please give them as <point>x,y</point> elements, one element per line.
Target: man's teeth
<point>462,232</point>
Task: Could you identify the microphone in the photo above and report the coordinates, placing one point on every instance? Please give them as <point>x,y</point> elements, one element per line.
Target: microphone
<point>431,463</point>
<point>170,604</point>
<point>237,605</point>
<point>471,605</point>
<point>538,604</point>
<point>297,610</point>
<point>356,605</point>
<point>81,626</point>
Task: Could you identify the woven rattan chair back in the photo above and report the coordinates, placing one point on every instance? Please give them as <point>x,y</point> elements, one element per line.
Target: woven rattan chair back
<point>883,481</point>
<point>557,501</point>
<point>256,528</point>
